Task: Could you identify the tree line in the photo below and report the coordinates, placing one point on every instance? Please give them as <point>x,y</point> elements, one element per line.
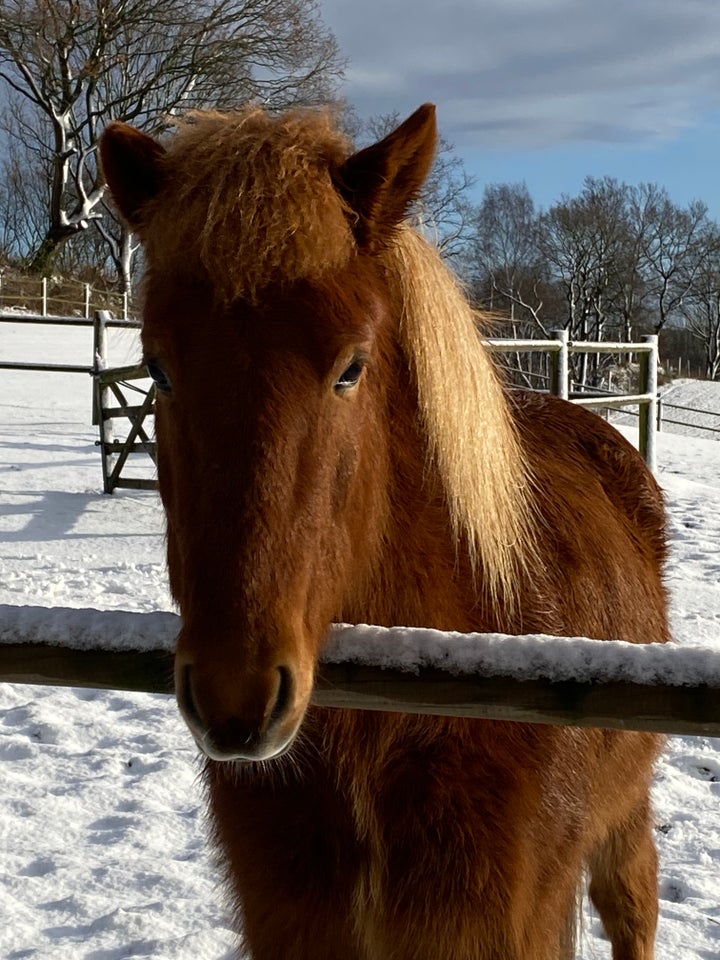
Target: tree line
<point>610,263</point>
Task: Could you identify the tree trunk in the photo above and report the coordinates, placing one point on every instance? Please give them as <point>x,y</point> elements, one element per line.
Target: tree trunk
<point>41,263</point>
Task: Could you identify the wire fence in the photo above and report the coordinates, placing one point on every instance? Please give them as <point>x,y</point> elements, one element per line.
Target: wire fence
<point>688,422</point>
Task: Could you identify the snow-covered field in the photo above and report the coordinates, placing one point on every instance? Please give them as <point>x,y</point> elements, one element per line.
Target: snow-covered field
<point>102,841</point>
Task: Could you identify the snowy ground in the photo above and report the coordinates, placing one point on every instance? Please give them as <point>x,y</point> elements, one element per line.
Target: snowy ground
<point>692,408</point>
<point>103,846</point>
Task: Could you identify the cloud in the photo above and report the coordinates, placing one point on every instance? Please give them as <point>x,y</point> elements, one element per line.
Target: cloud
<point>529,73</point>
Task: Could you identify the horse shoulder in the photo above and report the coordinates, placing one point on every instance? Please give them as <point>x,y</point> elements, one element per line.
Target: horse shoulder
<point>601,520</point>
<point>583,446</point>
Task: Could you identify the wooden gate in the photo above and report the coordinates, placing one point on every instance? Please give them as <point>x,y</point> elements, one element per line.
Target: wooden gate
<point>121,399</point>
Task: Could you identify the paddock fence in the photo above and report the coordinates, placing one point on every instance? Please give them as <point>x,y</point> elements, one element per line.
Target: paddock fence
<point>115,391</point>
<point>124,425</point>
<point>560,348</point>
<point>660,688</point>
<point>49,297</point>
<point>112,404</point>
<point>100,322</point>
<point>681,415</point>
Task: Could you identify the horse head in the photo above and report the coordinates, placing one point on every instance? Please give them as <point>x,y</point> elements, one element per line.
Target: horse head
<point>266,331</point>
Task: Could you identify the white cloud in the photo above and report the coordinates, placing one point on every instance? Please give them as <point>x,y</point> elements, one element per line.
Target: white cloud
<point>524,73</point>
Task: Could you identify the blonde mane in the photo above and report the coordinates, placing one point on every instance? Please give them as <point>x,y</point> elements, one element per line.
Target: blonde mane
<point>472,437</point>
<point>248,200</point>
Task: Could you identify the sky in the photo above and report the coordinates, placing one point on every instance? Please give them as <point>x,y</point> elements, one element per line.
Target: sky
<point>549,91</point>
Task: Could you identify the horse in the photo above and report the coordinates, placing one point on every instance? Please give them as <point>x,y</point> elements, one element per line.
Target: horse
<point>335,444</point>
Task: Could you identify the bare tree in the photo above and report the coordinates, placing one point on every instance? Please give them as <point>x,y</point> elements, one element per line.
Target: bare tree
<point>23,201</point>
<point>504,259</point>
<point>603,264</point>
<point>672,240</point>
<point>588,244</point>
<point>700,306</point>
<point>74,65</point>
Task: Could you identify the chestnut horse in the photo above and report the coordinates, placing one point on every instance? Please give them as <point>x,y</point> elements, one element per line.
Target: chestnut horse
<point>334,444</point>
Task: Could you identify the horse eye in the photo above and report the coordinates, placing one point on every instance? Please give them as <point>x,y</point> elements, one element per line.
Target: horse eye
<point>351,376</point>
<point>159,377</point>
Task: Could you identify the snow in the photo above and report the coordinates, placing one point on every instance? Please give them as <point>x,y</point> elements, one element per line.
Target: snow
<point>88,629</point>
<point>530,657</point>
<point>104,849</point>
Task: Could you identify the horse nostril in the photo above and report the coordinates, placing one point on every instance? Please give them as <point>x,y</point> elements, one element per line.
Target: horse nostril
<point>186,699</point>
<point>284,697</point>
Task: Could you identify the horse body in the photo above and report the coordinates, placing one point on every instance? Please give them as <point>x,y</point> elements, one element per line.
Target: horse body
<point>327,451</point>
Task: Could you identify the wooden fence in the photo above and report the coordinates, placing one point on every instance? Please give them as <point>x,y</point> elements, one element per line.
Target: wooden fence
<point>30,651</point>
<point>100,322</point>
<point>46,297</point>
<point>114,405</point>
<point>560,348</point>
<point>650,687</point>
<point>668,413</point>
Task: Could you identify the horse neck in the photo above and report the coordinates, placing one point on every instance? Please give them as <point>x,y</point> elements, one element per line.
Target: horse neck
<point>420,576</point>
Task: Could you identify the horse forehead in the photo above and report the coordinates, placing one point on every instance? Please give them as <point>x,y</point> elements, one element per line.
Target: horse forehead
<point>350,304</point>
<point>319,321</point>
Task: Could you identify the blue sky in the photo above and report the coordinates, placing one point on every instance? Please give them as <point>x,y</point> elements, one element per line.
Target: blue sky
<point>549,91</point>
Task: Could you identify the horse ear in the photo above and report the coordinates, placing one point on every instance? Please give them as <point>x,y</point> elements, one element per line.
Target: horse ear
<point>131,165</point>
<point>381,182</point>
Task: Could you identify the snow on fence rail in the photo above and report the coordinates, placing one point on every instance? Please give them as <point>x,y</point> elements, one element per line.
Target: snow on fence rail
<point>662,688</point>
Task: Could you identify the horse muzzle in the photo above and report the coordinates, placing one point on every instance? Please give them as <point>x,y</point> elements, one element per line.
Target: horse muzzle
<point>260,725</point>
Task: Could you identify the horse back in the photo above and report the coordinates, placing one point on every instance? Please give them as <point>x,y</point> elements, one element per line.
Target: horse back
<point>601,523</point>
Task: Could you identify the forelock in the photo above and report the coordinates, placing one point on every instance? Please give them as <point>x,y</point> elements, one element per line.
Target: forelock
<point>248,200</point>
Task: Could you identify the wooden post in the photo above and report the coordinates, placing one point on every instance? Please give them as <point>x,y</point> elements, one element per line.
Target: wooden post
<point>44,296</point>
<point>648,409</point>
<point>559,366</point>
<point>99,394</point>
<point>87,299</point>
<point>99,362</point>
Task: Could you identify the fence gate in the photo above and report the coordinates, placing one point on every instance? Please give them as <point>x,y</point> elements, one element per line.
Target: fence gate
<point>119,399</point>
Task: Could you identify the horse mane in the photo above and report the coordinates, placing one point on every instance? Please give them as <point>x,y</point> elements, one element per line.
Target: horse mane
<point>256,199</point>
<point>259,206</point>
<point>472,436</point>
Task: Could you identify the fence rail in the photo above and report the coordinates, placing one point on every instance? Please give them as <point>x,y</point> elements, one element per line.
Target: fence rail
<point>593,697</point>
<point>560,348</point>
<point>100,323</point>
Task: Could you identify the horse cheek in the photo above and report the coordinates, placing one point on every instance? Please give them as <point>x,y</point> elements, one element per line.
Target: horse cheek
<point>342,481</point>
<point>168,487</point>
